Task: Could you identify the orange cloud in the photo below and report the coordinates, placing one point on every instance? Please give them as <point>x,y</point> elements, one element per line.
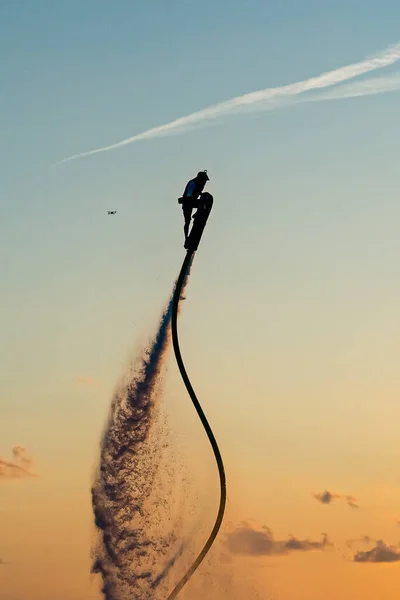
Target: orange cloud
<point>363,540</point>
<point>18,467</point>
<point>381,553</point>
<point>328,497</point>
<point>259,541</point>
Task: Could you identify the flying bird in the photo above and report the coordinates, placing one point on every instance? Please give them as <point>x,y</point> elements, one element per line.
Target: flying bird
<point>111,212</point>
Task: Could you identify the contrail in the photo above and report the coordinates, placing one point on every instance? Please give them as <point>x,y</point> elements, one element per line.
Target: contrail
<point>366,87</point>
<point>267,98</point>
<point>131,555</point>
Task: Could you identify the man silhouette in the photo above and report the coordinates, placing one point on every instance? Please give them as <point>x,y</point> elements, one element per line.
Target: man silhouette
<point>189,200</point>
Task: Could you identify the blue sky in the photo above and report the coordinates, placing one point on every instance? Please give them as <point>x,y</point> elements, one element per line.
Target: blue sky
<point>80,75</point>
<point>297,270</point>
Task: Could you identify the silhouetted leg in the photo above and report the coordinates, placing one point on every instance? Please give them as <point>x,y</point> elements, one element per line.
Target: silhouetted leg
<point>187,213</point>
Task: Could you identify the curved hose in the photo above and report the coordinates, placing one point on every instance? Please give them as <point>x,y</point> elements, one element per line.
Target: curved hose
<point>213,442</point>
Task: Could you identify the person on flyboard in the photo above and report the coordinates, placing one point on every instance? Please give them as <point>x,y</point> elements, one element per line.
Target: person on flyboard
<point>189,199</point>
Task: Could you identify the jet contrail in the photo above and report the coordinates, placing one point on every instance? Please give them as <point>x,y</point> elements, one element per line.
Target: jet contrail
<point>269,97</point>
<point>365,87</point>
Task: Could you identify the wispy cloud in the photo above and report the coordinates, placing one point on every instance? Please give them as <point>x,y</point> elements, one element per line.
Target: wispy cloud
<point>3,562</point>
<point>351,502</point>
<point>365,87</point>
<point>381,553</point>
<point>259,541</point>
<point>19,466</point>
<point>275,97</point>
<point>328,497</point>
<point>362,540</point>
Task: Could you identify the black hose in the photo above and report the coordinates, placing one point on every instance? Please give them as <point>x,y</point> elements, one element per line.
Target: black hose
<point>213,442</point>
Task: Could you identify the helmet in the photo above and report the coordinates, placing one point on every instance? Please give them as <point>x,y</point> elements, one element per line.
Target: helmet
<point>203,175</point>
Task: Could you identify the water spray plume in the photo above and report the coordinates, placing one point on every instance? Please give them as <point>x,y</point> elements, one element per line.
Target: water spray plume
<point>129,552</point>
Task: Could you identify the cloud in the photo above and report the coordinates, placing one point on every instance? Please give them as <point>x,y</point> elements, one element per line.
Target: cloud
<point>271,98</point>
<point>328,497</point>
<point>3,562</point>
<point>253,541</point>
<point>362,540</point>
<point>381,553</point>
<point>20,455</point>
<point>18,467</point>
<point>351,502</point>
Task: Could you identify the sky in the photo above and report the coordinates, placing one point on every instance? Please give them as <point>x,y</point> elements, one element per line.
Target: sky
<point>290,328</point>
